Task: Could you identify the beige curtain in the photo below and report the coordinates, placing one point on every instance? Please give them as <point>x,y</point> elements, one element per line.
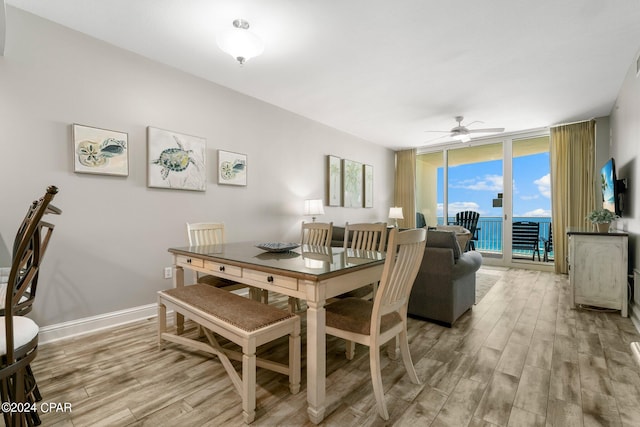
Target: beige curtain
<point>405,187</point>
<point>572,183</point>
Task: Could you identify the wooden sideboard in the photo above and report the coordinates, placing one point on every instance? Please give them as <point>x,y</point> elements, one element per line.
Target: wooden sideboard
<point>598,264</point>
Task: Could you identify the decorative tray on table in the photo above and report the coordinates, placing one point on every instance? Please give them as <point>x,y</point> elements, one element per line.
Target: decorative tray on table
<point>277,247</point>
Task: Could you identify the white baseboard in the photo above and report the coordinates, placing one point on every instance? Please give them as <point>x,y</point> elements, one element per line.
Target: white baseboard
<point>104,321</point>
<point>95,323</point>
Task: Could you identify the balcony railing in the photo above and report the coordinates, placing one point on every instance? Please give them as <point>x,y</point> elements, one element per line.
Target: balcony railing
<point>490,234</point>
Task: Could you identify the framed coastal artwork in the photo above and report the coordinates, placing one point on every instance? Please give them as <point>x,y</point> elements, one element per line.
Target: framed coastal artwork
<point>100,151</point>
<point>232,168</point>
<point>176,160</point>
<point>334,181</point>
<point>352,184</point>
<point>368,186</point>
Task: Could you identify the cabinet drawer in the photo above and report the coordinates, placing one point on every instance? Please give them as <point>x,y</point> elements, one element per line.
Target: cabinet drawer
<point>185,261</point>
<point>271,279</point>
<point>226,269</point>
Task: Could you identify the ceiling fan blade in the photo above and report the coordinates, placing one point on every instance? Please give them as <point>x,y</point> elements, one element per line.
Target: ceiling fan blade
<point>487,130</point>
<point>435,139</point>
<point>438,131</point>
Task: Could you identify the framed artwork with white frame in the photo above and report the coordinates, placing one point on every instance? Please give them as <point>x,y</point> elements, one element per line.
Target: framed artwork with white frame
<point>176,160</point>
<point>100,151</point>
<point>232,168</point>
<point>334,181</point>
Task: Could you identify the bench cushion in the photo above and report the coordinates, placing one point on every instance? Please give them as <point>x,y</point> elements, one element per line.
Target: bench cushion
<point>241,312</point>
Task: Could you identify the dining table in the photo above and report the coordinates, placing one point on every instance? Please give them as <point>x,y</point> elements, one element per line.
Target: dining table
<point>310,273</point>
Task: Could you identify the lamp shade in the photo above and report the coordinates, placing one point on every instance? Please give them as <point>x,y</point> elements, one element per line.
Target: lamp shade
<point>239,42</point>
<point>313,207</point>
<point>395,213</point>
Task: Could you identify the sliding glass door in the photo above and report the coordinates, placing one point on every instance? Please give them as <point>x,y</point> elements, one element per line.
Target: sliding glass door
<point>474,178</point>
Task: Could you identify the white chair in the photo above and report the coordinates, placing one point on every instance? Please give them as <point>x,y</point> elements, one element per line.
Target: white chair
<point>314,235</point>
<point>364,237</point>
<point>375,323</point>
<point>317,233</point>
<point>210,233</point>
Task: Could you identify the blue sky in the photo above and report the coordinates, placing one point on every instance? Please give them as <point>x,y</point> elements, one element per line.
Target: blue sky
<point>474,186</point>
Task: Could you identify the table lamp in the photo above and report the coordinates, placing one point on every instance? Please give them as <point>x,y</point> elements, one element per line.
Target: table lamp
<point>395,213</point>
<point>313,207</point>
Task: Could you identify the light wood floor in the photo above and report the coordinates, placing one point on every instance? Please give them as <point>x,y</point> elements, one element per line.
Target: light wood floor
<point>520,357</point>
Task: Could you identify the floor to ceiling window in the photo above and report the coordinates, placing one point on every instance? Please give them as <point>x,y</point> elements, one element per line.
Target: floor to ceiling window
<point>473,177</point>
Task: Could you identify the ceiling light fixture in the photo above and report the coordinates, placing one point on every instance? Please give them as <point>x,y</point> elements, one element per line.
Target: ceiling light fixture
<point>239,42</point>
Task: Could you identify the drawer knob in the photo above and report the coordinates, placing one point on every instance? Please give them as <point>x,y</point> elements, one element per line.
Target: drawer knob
<point>270,279</point>
<point>188,260</point>
<point>221,268</point>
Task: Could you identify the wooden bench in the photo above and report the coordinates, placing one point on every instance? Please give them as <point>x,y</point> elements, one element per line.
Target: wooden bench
<point>243,321</point>
<point>525,237</point>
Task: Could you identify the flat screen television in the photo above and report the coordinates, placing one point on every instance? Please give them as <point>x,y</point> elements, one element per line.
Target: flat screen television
<point>612,188</point>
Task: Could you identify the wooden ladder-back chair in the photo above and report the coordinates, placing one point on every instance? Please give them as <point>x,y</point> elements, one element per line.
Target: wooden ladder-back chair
<point>469,220</point>
<point>316,236</point>
<point>375,323</point>
<point>316,233</point>
<point>364,237</point>
<point>208,234</point>
<point>18,344</point>
<point>525,236</point>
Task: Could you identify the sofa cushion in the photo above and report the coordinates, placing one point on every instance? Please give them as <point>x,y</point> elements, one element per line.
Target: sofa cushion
<point>444,239</point>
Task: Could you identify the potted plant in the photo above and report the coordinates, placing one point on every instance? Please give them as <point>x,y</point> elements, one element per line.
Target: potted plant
<point>601,219</point>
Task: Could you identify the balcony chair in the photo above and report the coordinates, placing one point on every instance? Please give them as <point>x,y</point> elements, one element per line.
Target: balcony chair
<point>548,243</point>
<point>18,344</point>
<point>469,220</point>
<point>373,323</point>
<point>525,236</point>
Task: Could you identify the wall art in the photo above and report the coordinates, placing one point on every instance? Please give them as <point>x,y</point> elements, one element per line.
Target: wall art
<point>352,184</point>
<point>334,181</point>
<point>368,186</point>
<point>175,160</point>
<point>100,151</point>
<point>232,168</point>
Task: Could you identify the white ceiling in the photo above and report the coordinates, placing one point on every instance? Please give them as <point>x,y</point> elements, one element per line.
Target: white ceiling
<point>383,70</point>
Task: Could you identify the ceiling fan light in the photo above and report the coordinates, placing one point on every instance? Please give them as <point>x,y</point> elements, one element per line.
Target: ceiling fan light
<point>462,137</point>
<point>239,42</point>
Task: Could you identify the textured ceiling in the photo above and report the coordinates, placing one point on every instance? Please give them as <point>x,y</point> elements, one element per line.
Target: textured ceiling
<point>386,71</point>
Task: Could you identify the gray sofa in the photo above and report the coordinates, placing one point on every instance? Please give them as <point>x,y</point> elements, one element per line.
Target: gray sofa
<point>446,283</point>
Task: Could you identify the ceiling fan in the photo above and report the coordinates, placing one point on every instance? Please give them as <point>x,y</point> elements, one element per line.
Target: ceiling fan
<point>462,133</point>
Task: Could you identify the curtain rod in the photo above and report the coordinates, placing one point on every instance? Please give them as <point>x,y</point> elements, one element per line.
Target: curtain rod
<point>572,123</point>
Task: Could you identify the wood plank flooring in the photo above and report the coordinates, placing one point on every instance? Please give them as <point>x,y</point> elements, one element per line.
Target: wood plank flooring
<point>520,357</point>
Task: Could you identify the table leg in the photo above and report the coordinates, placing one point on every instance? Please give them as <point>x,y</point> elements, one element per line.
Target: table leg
<point>316,358</point>
<point>178,281</point>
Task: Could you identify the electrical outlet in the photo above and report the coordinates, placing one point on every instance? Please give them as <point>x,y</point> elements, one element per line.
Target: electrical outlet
<point>168,272</point>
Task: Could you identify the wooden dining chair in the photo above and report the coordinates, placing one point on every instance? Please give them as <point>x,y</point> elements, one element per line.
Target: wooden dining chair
<point>19,336</point>
<point>316,233</point>
<point>206,234</point>
<point>373,323</point>
<point>364,237</point>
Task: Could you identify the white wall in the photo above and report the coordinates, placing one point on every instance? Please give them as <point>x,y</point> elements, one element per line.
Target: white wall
<point>110,245</point>
<point>625,149</point>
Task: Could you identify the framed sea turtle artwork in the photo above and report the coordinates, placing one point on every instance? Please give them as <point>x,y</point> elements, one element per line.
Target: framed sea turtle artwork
<point>232,168</point>
<point>100,151</point>
<point>176,160</point>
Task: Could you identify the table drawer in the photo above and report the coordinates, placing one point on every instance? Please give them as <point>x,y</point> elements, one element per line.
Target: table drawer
<point>271,279</point>
<point>185,261</point>
<point>226,269</point>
